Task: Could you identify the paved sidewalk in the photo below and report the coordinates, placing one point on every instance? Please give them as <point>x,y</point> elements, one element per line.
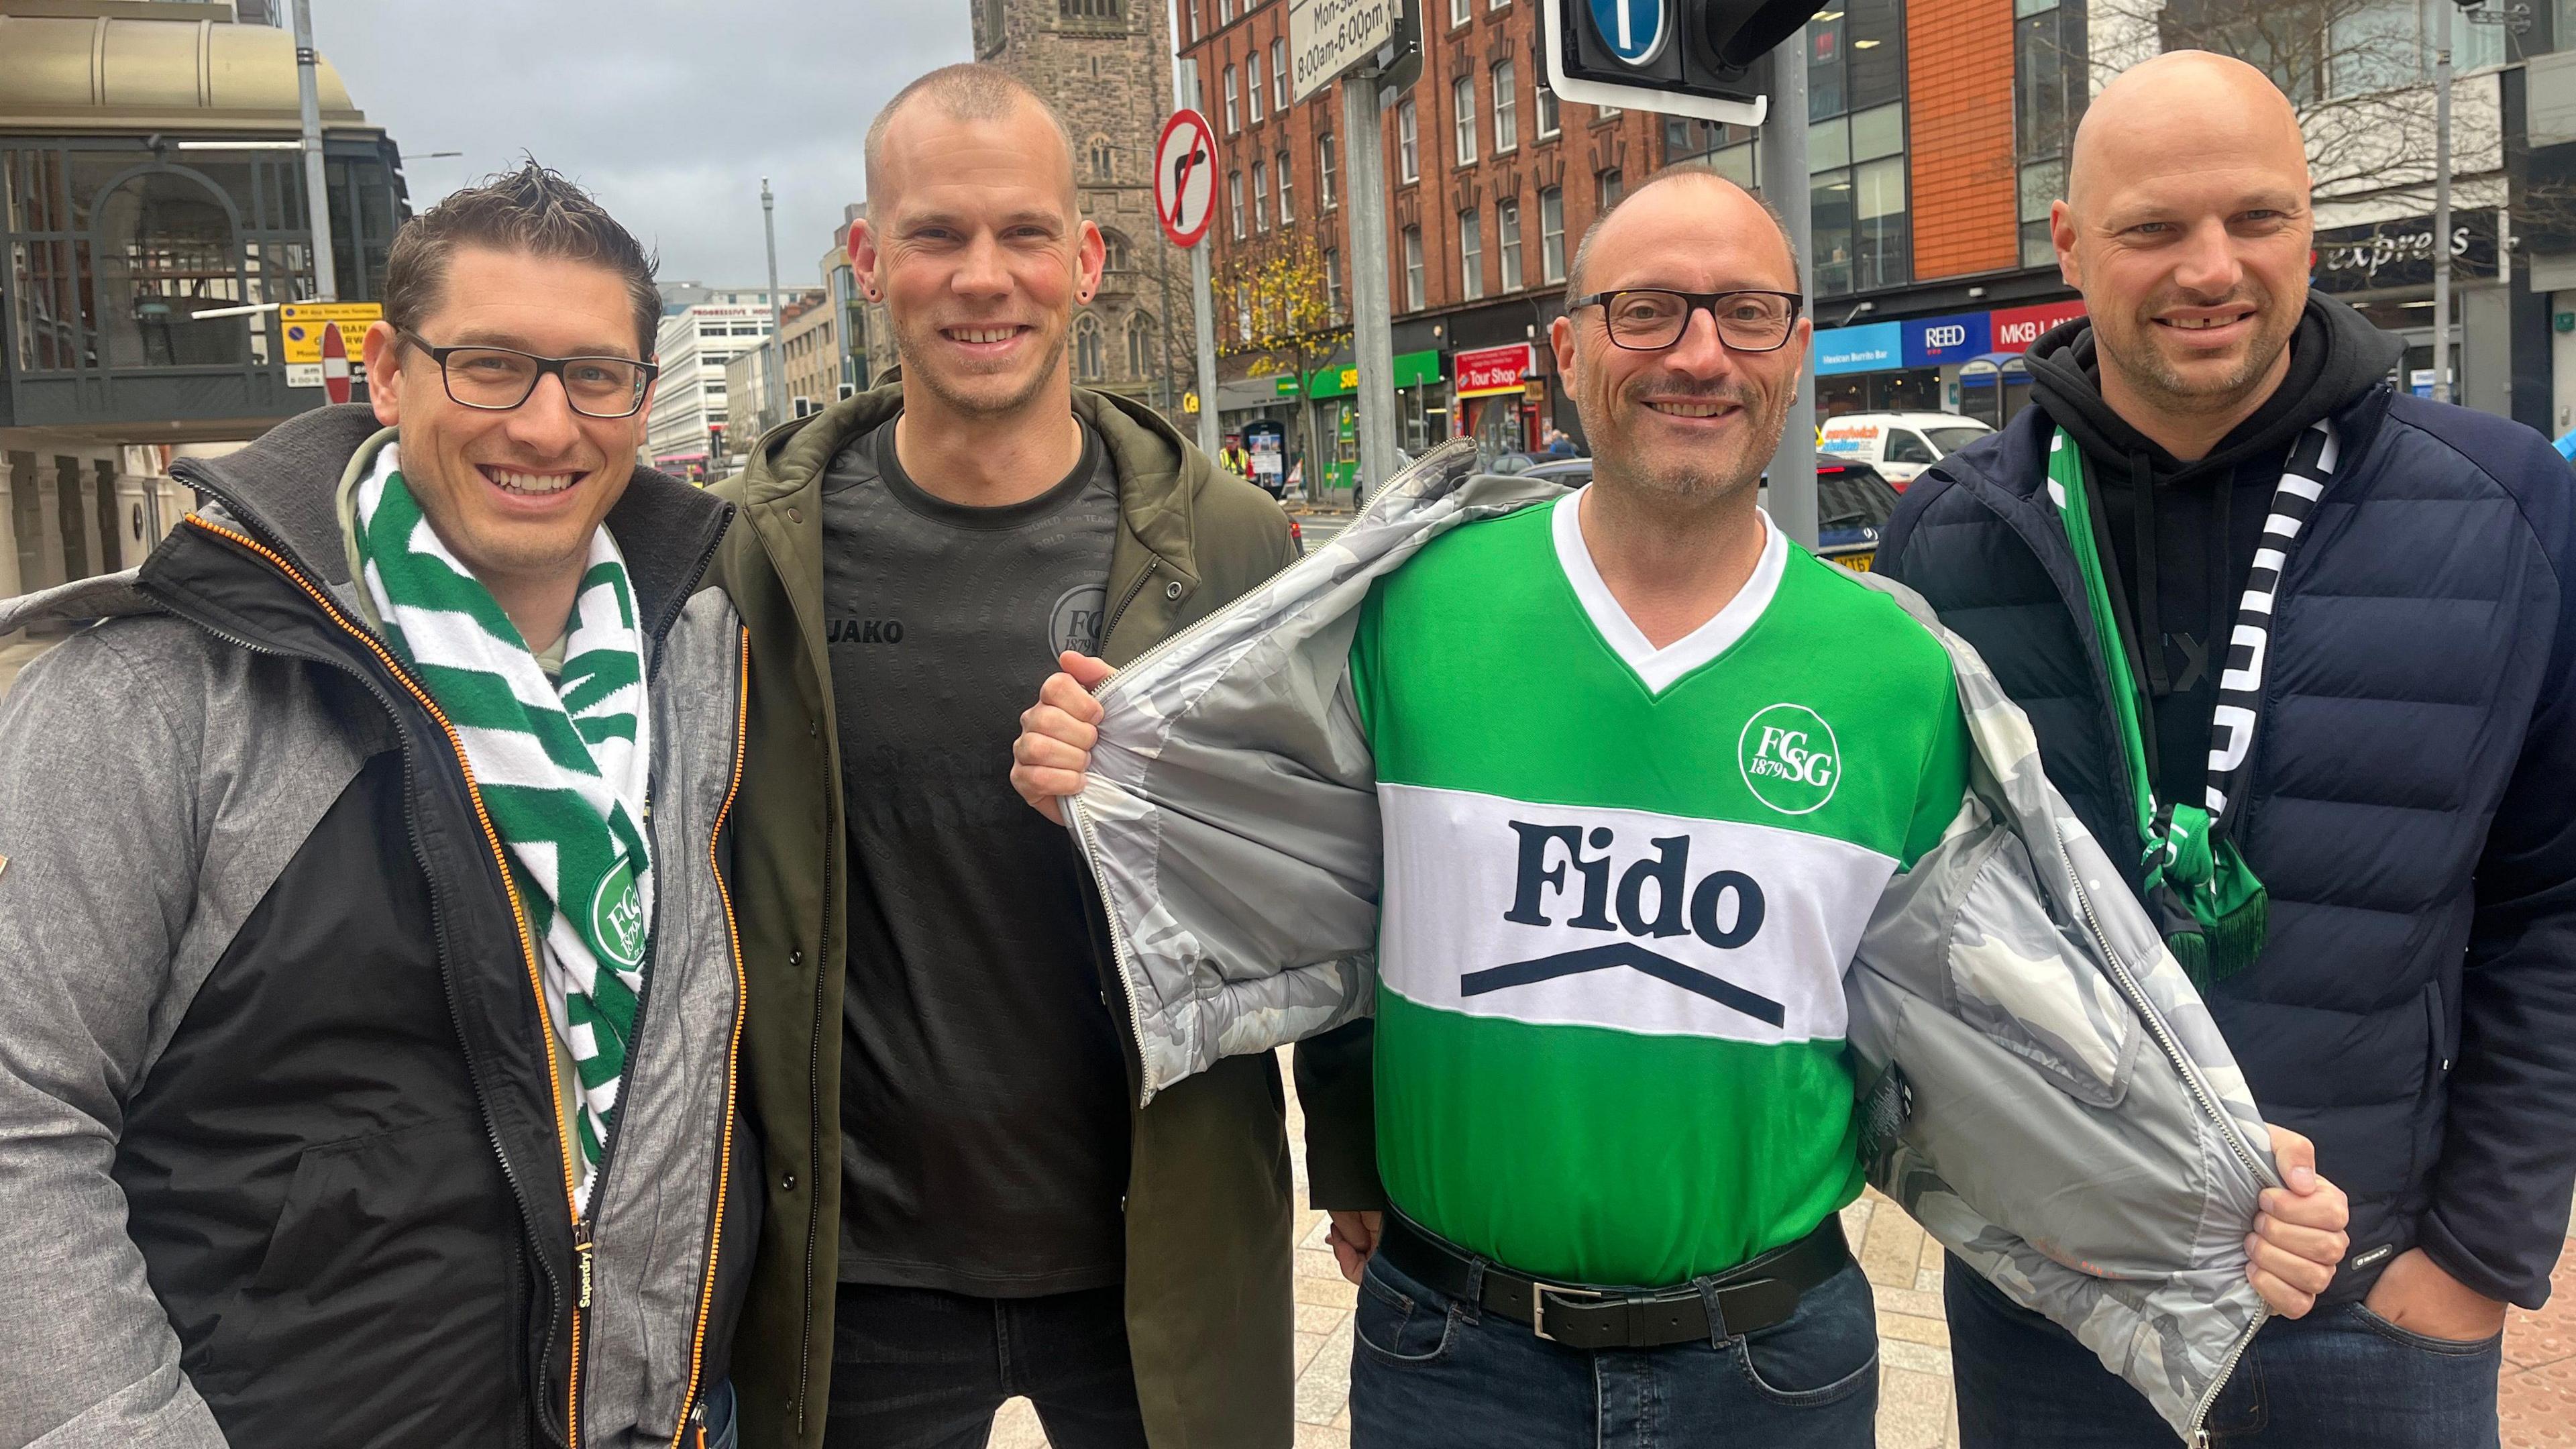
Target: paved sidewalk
<point>2538,1394</point>
<point>1903,1263</point>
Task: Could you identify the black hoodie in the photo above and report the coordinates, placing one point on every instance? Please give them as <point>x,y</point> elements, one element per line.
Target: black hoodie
<point>2179,567</point>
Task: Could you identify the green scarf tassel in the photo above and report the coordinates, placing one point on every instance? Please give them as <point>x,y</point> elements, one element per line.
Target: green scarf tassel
<point>2212,909</point>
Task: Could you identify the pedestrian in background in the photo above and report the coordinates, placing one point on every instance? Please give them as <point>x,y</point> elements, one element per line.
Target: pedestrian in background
<point>369,1026</point>
<point>2301,650</point>
<point>967,1203</point>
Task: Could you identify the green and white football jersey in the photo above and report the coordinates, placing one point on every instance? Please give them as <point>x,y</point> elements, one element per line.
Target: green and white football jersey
<point>1621,888</point>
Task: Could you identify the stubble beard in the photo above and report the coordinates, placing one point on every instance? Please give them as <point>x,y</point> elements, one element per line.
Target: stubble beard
<point>912,344</point>
<point>1685,483</point>
<point>2148,371</point>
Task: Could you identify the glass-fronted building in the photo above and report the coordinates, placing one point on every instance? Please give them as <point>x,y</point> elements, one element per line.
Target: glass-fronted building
<point>152,217</point>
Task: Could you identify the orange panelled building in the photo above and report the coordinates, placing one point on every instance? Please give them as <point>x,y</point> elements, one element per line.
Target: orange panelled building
<point>1959,106</point>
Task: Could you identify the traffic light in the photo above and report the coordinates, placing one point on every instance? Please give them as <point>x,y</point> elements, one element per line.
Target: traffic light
<point>1673,57</point>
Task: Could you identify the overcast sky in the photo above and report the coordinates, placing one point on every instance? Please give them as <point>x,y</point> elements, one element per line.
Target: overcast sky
<point>669,113</point>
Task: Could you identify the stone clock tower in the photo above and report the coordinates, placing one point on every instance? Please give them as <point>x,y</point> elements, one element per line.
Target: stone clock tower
<point>1106,66</point>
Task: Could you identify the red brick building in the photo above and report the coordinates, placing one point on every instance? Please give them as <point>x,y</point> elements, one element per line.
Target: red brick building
<point>1937,136</point>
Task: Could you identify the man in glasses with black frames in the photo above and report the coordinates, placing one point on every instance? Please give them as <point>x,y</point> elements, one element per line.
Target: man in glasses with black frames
<point>369,1037</point>
<point>1644,770</point>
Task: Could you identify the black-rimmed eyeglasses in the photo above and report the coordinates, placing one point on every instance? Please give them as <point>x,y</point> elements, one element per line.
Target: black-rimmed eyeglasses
<point>497,379</point>
<point>1650,319</point>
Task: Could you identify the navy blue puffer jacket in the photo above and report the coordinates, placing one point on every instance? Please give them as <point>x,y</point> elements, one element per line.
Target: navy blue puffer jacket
<point>2412,808</point>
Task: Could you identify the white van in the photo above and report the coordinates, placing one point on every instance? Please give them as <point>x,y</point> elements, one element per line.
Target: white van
<point>1898,445</point>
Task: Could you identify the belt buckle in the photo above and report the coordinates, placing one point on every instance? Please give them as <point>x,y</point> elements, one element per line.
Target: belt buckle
<point>1538,1305</point>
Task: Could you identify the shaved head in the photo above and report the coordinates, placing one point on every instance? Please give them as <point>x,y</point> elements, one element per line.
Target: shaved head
<point>967,92</point>
<point>2168,111</point>
<point>1688,173</point>
<point>1688,425</point>
<point>2186,225</point>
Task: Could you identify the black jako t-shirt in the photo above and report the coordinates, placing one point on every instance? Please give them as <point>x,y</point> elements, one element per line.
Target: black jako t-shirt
<point>984,1123</point>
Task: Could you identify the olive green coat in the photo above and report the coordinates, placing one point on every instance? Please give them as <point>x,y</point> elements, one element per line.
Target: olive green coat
<point>1208,1215</point>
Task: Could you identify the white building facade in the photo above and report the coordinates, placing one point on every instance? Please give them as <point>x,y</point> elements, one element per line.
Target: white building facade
<point>695,343</point>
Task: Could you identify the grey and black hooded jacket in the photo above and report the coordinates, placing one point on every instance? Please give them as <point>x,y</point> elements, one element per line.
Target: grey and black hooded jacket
<point>2044,1091</point>
<point>280,1160</point>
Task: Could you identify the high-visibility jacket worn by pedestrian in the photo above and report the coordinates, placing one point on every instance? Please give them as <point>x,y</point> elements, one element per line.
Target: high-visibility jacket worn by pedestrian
<point>2041,1088</point>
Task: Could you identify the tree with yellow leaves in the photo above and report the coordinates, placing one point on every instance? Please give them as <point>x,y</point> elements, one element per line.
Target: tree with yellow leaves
<point>1278,311</point>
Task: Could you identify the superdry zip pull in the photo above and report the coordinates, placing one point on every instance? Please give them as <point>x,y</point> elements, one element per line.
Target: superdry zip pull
<point>582,1248</point>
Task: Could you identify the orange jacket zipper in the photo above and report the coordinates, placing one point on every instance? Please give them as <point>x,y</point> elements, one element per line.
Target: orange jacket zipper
<point>733,1048</point>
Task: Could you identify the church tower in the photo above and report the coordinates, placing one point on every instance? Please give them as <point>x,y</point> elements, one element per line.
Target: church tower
<point>1106,66</point>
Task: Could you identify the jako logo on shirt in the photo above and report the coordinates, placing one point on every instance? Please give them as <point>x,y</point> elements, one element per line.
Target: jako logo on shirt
<point>1654,897</point>
<point>1790,759</point>
<point>864,631</point>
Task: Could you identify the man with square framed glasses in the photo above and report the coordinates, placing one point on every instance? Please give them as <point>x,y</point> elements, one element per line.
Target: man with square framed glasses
<point>498,379</point>
<point>1616,1126</point>
<point>1650,319</point>
<point>376,1002</point>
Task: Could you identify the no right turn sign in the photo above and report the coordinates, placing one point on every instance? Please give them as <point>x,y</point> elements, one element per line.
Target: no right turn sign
<point>1185,177</point>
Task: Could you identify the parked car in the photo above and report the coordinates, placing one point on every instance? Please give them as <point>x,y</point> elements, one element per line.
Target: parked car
<point>1898,445</point>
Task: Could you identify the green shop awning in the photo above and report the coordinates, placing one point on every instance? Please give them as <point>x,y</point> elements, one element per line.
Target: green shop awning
<point>1412,369</point>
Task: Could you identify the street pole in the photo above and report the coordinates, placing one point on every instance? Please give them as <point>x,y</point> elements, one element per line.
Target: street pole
<point>317,189</point>
<point>2441,201</point>
<point>1202,289</point>
<point>775,347</point>
<point>1783,157</point>
<point>1185,81</point>
<point>1372,318</point>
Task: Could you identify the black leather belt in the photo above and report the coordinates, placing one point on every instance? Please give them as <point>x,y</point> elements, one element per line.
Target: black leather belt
<point>1753,1295</point>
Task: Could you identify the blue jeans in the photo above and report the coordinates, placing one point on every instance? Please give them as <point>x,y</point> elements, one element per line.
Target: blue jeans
<point>721,1431</point>
<point>2339,1378</point>
<point>1429,1372</point>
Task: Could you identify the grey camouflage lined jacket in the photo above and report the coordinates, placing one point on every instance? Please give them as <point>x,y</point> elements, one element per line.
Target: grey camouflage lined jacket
<point>2047,1094</point>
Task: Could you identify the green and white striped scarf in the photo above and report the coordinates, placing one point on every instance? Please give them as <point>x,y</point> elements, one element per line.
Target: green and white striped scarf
<point>563,766</point>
